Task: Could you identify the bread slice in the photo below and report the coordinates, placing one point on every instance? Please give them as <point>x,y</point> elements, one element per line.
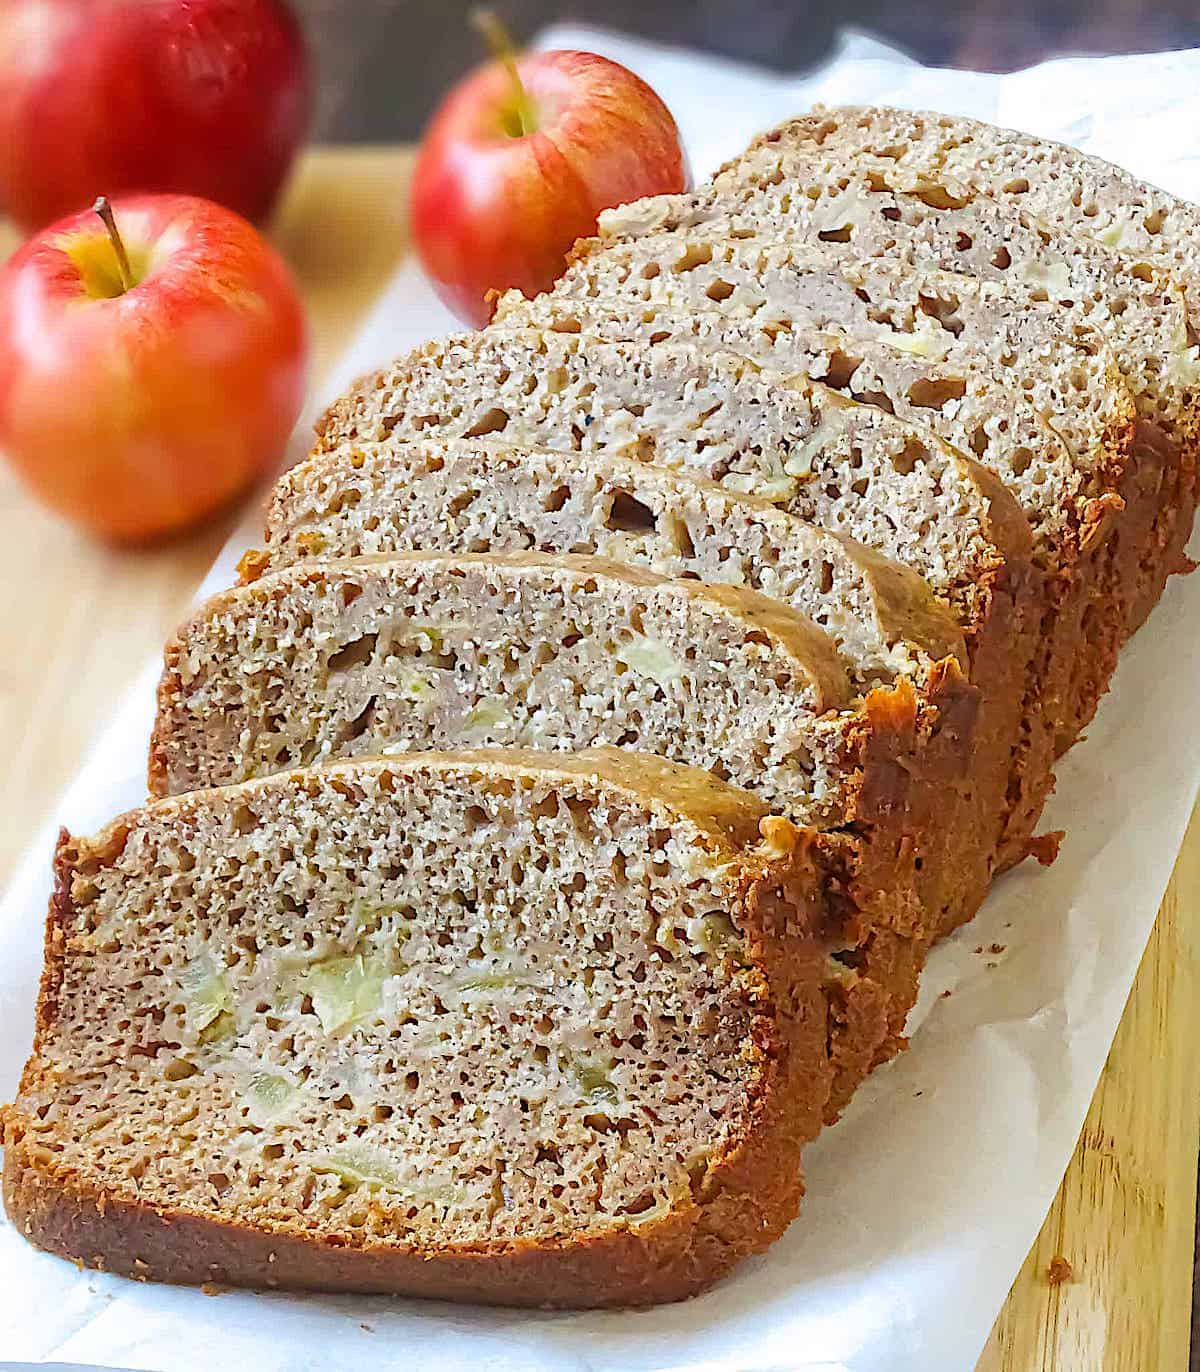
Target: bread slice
<point>495,1026</point>
<point>847,467</point>
<point>445,650</point>
<point>1057,183</point>
<point>460,495</point>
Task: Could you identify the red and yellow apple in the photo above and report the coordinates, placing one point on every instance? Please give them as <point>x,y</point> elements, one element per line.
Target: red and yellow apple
<point>148,378</point>
<point>202,97</point>
<point>519,161</point>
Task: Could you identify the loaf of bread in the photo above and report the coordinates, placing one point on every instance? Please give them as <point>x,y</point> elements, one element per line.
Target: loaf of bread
<point>494,1026</point>
<point>820,499</point>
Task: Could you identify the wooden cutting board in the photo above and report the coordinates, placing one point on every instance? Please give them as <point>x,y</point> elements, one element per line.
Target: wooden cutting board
<point>80,620</point>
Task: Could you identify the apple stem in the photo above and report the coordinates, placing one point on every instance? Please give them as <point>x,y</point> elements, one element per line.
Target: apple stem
<point>104,210</point>
<point>500,44</point>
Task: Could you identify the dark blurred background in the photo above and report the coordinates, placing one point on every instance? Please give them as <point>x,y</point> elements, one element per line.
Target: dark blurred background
<point>385,63</point>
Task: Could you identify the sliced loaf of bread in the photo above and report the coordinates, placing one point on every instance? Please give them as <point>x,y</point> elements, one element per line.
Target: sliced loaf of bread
<point>359,1028</point>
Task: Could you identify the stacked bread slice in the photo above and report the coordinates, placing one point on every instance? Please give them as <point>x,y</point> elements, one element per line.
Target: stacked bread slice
<point>549,831</point>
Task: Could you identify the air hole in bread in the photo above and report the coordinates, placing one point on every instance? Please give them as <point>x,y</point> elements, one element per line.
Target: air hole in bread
<point>359,725</point>
<point>940,197</point>
<point>682,539</point>
<point>694,255</point>
<point>627,514</point>
<point>354,654</point>
<point>932,392</point>
<point>840,370</point>
<point>492,421</point>
<point>944,309</point>
<point>906,460</point>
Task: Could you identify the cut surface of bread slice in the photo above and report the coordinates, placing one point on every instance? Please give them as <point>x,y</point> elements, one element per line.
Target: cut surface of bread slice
<point>1055,182</point>
<point>445,650</point>
<point>496,1026</point>
<point>460,495</point>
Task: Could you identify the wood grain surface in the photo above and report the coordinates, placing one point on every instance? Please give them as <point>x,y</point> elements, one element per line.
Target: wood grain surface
<point>79,620</point>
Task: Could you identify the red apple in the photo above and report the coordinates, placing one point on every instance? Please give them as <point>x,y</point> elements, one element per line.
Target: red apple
<point>204,97</point>
<point>136,402</point>
<point>513,171</point>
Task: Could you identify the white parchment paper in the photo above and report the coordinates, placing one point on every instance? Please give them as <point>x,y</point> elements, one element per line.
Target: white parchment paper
<point>925,1198</point>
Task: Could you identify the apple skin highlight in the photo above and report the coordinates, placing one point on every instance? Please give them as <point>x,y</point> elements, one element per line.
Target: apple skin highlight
<point>492,209</point>
<point>199,97</point>
<point>137,412</point>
